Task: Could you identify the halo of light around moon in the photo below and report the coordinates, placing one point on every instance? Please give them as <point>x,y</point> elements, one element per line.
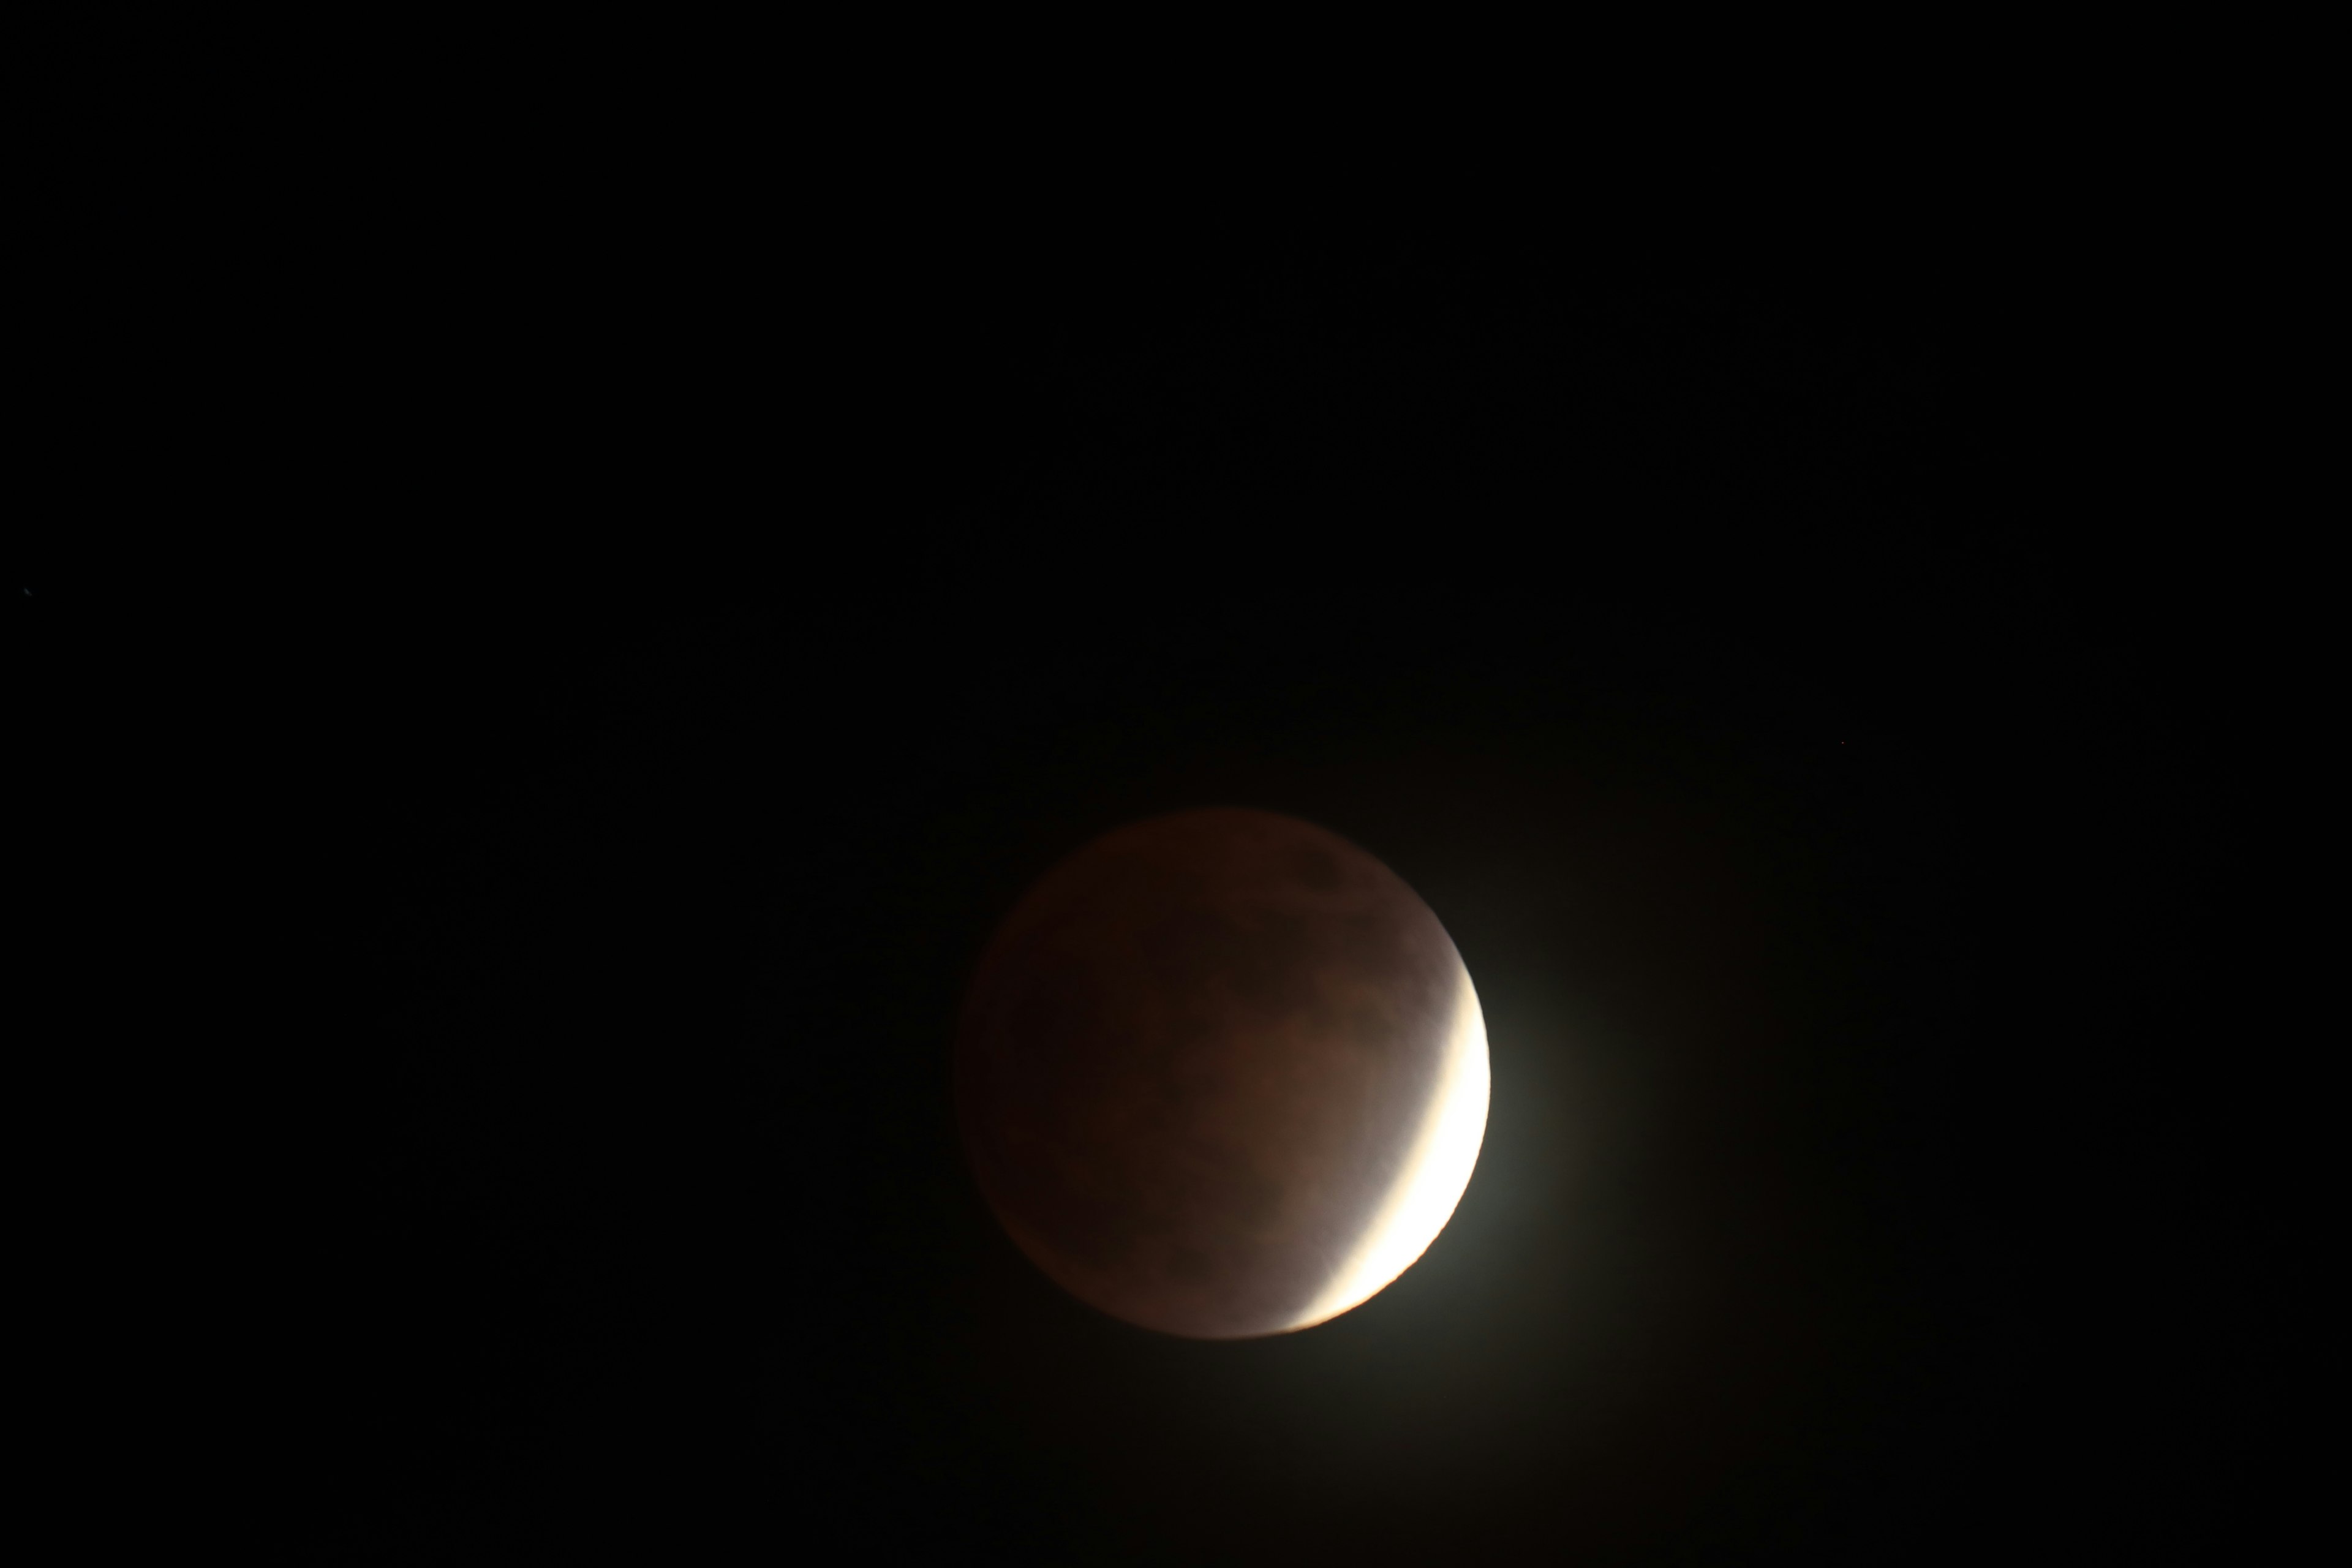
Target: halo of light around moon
<point>1221,1073</point>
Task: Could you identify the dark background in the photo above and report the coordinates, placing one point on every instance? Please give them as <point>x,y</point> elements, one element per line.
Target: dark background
<point>1823,759</point>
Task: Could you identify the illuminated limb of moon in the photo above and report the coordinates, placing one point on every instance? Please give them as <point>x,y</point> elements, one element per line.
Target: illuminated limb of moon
<point>1435,1173</point>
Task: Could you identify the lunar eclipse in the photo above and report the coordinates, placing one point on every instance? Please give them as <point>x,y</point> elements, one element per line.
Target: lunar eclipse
<point>1221,1073</point>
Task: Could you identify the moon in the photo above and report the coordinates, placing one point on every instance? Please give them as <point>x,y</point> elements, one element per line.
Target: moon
<point>1221,1073</point>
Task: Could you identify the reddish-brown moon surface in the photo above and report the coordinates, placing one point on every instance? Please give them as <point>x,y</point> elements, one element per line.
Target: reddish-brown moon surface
<point>1221,1073</point>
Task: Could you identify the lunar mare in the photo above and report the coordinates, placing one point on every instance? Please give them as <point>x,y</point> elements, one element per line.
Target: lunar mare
<point>1221,1073</point>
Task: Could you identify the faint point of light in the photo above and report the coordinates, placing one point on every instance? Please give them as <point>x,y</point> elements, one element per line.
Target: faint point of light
<point>1432,1177</point>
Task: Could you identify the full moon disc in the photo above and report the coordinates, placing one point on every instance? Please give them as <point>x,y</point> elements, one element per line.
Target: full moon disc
<point>1221,1073</point>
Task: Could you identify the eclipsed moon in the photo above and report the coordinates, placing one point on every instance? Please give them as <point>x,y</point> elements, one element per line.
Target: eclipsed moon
<point>1221,1073</point>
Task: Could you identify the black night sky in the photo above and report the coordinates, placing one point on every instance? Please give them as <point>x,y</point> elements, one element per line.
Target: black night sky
<point>688,659</point>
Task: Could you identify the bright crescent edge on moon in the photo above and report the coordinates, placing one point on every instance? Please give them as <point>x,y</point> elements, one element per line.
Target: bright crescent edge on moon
<point>1434,1175</point>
